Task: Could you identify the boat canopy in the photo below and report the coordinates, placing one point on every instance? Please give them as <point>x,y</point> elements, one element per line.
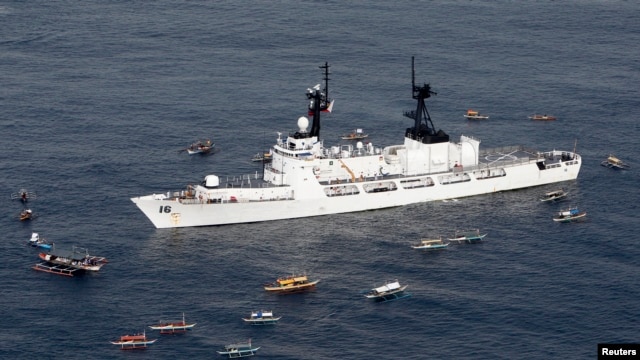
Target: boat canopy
<point>388,287</point>
<point>73,254</point>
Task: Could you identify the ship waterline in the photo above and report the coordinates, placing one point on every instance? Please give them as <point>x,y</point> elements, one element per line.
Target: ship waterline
<point>251,200</point>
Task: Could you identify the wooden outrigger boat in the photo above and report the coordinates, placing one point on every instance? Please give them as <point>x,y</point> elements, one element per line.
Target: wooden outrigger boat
<point>24,195</point>
<point>553,195</point>
<point>200,147</point>
<point>173,327</point>
<point>569,215</point>
<point>431,244</point>
<point>36,241</point>
<point>544,117</point>
<point>131,342</point>
<point>262,318</point>
<point>291,284</point>
<point>264,157</point>
<point>239,350</point>
<point>615,163</point>
<point>357,134</point>
<point>392,290</point>
<point>63,262</point>
<point>468,236</point>
<point>26,214</point>
<point>474,115</point>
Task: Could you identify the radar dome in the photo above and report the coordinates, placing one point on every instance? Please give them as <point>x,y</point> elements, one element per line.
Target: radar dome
<point>303,123</point>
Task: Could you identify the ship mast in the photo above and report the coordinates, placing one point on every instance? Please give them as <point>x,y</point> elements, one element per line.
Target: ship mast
<point>319,101</point>
<point>423,129</point>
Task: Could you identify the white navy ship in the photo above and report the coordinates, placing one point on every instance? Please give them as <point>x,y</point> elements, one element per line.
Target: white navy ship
<point>305,178</point>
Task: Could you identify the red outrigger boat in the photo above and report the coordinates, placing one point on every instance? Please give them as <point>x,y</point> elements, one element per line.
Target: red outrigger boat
<point>63,262</point>
<point>130,342</point>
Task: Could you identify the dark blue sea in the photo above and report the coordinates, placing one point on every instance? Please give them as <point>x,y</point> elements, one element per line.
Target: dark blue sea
<point>98,97</point>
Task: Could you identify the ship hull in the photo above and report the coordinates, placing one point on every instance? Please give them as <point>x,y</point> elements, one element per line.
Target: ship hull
<point>309,198</point>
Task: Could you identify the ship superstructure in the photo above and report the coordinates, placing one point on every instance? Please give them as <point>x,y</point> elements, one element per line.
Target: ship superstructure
<point>306,178</point>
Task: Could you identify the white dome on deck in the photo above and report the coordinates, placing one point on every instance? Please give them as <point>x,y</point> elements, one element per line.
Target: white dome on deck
<point>303,123</point>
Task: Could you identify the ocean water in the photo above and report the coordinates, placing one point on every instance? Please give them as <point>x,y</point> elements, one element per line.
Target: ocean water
<point>98,98</point>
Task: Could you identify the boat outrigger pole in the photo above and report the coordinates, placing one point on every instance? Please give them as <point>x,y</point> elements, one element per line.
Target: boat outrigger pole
<point>423,129</point>
<point>319,101</point>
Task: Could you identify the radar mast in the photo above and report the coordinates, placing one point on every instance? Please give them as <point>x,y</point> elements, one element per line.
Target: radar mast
<point>423,129</point>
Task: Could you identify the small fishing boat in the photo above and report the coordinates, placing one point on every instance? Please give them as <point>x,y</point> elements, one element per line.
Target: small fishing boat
<point>431,244</point>
<point>64,262</point>
<point>291,284</point>
<point>553,195</point>
<point>262,318</point>
<point>615,163</point>
<point>569,215</point>
<point>475,115</point>
<point>200,147</point>
<point>468,236</point>
<point>36,241</point>
<point>130,342</point>
<point>24,195</point>
<point>391,290</point>
<point>239,350</point>
<point>173,327</point>
<point>26,214</point>
<point>264,157</point>
<point>357,134</point>
<point>544,117</point>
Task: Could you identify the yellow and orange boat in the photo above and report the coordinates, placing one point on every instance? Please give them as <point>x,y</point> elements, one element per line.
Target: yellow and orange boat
<point>291,284</point>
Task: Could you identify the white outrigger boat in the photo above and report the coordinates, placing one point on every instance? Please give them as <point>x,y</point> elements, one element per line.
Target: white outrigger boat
<point>305,178</point>
<point>391,290</point>
<point>554,195</point>
<point>173,327</point>
<point>569,215</point>
<point>262,318</point>
<point>468,236</point>
<point>239,350</point>
<point>431,244</point>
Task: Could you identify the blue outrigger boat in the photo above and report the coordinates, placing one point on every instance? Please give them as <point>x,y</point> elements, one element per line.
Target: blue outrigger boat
<point>569,215</point>
<point>36,241</point>
<point>239,350</point>
<point>468,236</point>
